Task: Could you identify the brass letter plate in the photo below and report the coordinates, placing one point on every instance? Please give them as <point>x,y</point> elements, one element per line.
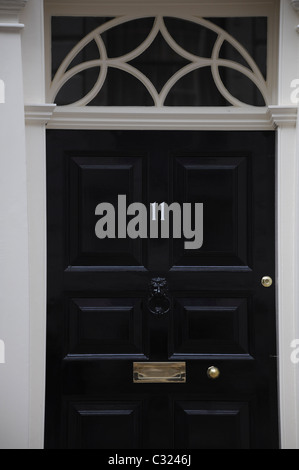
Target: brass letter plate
<point>159,372</point>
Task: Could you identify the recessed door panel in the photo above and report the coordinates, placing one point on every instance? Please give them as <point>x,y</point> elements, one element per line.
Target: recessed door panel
<point>222,184</point>
<point>217,326</point>
<point>105,327</point>
<point>92,180</point>
<point>103,425</point>
<point>212,425</point>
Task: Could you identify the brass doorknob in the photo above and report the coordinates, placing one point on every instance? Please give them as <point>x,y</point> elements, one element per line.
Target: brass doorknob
<point>267,281</point>
<point>213,372</point>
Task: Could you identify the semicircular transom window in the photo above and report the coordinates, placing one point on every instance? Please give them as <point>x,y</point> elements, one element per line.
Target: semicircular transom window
<point>159,61</point>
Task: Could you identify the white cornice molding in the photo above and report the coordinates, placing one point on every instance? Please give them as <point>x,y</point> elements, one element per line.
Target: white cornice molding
<point>9,15</point>
<point>226,118</point>
<point>163,118</point>
<point>39,114</point>
<point>284,116</point>
<point>12,5</point>
<point>11,26</point>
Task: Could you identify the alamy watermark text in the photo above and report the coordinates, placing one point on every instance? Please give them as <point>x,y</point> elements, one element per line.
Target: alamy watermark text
<point>187,221</point>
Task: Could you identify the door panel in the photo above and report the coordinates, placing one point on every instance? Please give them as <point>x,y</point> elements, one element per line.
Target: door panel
<point>93,179</point>
<point>222,184</point>
<point>106,327</point>
<point>217,326</point>
<point>103,425</point>
<point>99,318</point>
<point>223,423</point>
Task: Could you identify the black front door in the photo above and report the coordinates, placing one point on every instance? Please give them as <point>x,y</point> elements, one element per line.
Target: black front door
<point>157,341</point>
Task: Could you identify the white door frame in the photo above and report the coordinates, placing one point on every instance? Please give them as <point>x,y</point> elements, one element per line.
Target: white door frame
<point>283,116</point>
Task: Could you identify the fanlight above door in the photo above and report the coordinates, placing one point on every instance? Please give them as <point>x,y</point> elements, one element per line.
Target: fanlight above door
<point>191,57</point>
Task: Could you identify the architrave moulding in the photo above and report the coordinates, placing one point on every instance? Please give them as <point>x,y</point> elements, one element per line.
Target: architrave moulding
<point>295,4</point>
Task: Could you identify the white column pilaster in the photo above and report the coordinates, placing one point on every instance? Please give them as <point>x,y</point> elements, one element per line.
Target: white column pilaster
<point>14,276</point>
<point>37,114</point>
<point>288,227</point>
<point>295,4</point>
